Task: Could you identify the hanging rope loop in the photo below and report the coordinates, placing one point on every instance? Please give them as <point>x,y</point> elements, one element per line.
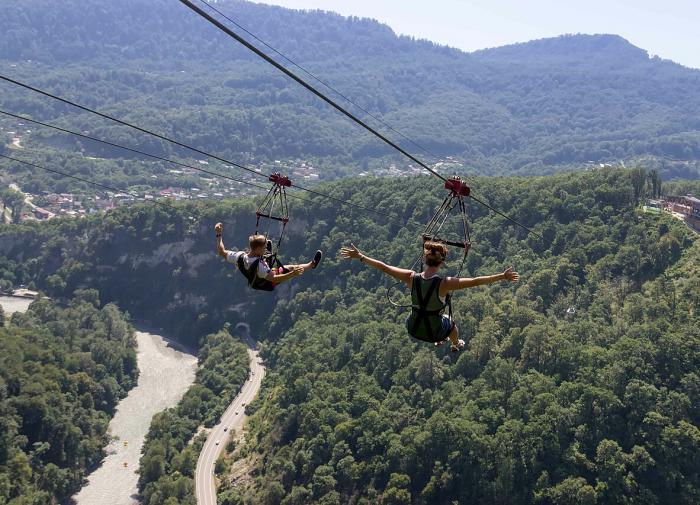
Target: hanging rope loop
<point>458,191</point>
<point>453,201</point>
<point>274,208</point>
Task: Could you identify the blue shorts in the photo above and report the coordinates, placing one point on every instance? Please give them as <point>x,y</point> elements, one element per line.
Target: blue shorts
<point>443,332</point>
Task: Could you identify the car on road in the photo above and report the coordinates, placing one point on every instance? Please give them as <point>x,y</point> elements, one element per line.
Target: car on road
<point>225,429</point>
<point>218,442</point>
<point>236,412</point>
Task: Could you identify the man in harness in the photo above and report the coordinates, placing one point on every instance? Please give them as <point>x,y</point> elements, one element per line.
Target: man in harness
<point>429,292</point>
<point>259,266</point>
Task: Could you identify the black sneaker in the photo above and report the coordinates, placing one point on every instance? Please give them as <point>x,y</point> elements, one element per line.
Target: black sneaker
<point>268,246</point>
<point>317,259</point>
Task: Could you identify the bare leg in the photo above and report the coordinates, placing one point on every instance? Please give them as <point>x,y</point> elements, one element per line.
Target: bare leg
<point>311,264</point>
<point>454,335</point>
<point>305,266</point>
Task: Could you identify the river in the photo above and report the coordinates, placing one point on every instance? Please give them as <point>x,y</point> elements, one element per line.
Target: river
<point>165,374</point>
<point>12,304</point>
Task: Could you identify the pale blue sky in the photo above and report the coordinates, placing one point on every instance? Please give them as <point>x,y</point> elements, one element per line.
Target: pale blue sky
<point>667,28</point>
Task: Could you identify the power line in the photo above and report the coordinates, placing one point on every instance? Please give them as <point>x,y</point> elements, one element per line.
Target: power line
<point>194,149</point>
<point>325,83</point>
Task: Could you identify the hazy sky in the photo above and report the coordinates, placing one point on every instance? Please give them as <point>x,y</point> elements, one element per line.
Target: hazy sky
<point>667,28</point>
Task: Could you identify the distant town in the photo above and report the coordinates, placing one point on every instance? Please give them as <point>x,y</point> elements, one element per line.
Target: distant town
<point>47,205</point>
<point>686,208</point>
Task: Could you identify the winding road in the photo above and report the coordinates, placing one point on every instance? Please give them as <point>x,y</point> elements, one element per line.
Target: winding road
<point>231,421</point>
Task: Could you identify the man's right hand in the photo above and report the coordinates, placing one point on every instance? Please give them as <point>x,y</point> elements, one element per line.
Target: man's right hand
<point>218,228</point>
<point>351,252</point>
<point>510,275</point>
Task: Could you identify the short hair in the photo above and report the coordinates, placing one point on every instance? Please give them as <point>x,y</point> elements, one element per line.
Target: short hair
<point>434,252</point>
<point>255,241</point>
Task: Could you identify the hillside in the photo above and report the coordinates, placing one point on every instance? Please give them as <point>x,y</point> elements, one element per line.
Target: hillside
<point>545,405</point>
<point>531,108</point>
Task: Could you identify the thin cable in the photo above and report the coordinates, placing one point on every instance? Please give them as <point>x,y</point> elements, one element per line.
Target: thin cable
<point>93,183</point>
<point>325,83</point>
<point>506,217</point>
<point>192,214</point>
<point>391,217</point>
<point>209,172</point>
<point>308,86</point>
<point>106,142</point>
<point>124,123</point>
<point>204,153</point>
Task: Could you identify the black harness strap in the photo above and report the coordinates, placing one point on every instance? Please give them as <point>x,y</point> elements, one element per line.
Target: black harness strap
<point>248,273</point>
<point>251,275</point>
<point>422,314</point>
<point>273,261</point>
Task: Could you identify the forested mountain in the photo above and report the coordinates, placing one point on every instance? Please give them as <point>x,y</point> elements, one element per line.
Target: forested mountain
<point>531,108</point>
<point>62,372</point>
<point>579,384</point>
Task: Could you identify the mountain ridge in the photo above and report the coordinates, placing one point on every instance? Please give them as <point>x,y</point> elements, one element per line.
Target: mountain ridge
<point>530,108</point>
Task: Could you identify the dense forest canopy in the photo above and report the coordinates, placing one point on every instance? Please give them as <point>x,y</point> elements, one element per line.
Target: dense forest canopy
<point>531,108</point>
<point>578,383</point>
<point>62,372</point>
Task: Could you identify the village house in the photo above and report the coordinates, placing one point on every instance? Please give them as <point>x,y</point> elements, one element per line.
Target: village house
<point>687,205</point>
<point>42,214</point>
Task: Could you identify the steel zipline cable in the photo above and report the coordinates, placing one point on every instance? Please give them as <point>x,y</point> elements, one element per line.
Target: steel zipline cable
<point>228,31</point>
<point>194,149</point>
<point>136,151</point>
<point>308,86</point>
<point>167,160</point>
<point>195,214</point>
<point>325,83</point>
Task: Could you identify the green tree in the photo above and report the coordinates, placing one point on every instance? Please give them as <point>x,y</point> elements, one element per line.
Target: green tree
<point>15,201</point>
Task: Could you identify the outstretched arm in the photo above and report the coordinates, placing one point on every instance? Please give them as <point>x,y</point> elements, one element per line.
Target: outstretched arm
<point>400,274</point>
<point>220,249</point>
<point>456,283</point>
